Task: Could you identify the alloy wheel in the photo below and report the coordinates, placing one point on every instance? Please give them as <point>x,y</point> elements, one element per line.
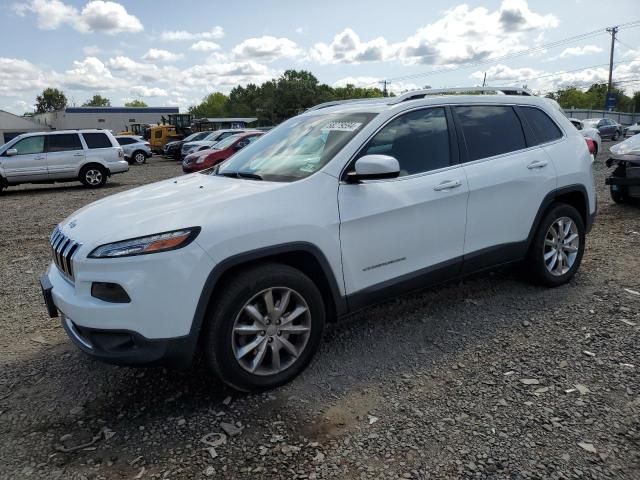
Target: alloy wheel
<point>271,331</point>
<point>561,245</point>
<point>93,177</point>
<point>139,158</point>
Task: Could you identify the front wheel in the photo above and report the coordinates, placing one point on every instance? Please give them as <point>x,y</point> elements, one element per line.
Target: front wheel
<point>558,245</point>
<point>93,176</point>
<point>618,193</point>
<point>266,326</point>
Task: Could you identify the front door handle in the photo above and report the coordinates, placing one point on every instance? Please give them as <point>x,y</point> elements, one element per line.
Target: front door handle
<point>447,185</point>
<point>537,164</point>
<point>78,154</point>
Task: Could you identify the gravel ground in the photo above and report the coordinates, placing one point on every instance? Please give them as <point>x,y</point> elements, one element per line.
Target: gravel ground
<point>491,377</point>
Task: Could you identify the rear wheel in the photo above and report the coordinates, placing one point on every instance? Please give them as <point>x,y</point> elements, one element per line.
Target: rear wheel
<point>93,176</point>
<point>558,245</point>
<point>266,327</point>
<point>139,157</point>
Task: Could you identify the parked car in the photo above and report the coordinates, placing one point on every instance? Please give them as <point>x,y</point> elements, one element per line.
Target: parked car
<point>624,181</point>
<point>208,141</point>
<point>589,132</point>
<point>89,156</point>
<point>631,130</point>
<point>219,152</point>
<point>136,149</point>
<point>173,149</point>
<point>248,261</point>
<point>605,126</point>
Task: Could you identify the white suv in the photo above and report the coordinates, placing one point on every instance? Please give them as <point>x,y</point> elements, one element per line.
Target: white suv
<point>333,210</point>
<point>89,156</point>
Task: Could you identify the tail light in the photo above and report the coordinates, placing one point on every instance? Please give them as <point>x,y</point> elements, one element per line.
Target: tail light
<point>120,153</point>
<point>147,144</point>
<point>591,145</point>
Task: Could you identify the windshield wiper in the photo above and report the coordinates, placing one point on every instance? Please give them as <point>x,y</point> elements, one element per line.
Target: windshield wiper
<point>249,175</point>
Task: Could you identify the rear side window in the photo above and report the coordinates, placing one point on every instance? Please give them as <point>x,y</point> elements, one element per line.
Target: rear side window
<point>63,142</point>
<point>97,140</point>
<point>490,130</point>
<point>123,141</point>
<point>544,129</point>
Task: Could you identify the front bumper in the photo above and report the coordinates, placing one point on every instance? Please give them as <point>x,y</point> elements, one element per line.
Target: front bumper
<point>155,327</point>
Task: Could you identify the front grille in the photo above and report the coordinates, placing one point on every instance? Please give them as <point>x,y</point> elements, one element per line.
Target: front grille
<point>63,249</point>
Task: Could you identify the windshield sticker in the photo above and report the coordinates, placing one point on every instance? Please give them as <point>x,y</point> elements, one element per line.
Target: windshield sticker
<point>342,126</point>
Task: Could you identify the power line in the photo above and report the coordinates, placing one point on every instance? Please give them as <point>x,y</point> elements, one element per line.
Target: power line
<point>557,43</point>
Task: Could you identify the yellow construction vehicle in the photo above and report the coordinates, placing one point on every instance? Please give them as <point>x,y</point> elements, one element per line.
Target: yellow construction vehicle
<point>135,129</point>
<point>159,135</point>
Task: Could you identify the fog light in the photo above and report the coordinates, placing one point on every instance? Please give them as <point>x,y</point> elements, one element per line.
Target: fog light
<point>109,292</point>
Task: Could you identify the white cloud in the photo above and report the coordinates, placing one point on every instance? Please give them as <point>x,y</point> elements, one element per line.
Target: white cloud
<point>205,46</point>
<point>266,48</point>
<point>159,55</point>
<point>144,91</point>
<point>300,30</point>
<point>90,74</point>
<point>579,51</point>
<point>505,73</point>
<point>18,75</point>
<point>373,82</point>
<point>226,75</point>
<point>178,35</point>
<point>461,35</point>
<point>91,50</point>
<point>96,16</point>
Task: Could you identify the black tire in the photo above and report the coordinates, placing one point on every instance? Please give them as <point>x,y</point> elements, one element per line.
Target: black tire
<point>93,176</point>
<point>3,185</point>
<point>619,195</point>
<point>138,157</point>
<point>218,334</point>
<point>536,259</point>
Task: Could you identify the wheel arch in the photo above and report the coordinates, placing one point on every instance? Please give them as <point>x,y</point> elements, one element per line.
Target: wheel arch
<point>303,256</point>
<point>574,195</point>
<point>96,164</point>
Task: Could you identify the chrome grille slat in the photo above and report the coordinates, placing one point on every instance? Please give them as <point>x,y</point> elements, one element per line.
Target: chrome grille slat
<point>63,249</point>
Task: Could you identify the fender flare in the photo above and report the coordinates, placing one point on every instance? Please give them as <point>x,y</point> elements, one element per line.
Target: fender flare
<point>255,255</point>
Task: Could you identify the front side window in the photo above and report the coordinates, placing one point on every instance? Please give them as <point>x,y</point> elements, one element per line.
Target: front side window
<point>297,148</point>
<point>419,140</point>
<point>63,142</point>
<point>97,140</point>
<point>30,145</point>
<point>490,130</point>
<point>158,134</point>
<point>544,129</point>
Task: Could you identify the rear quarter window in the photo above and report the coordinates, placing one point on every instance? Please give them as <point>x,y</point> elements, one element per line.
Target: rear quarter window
<point>490,130</point>
<point>544,129</point>
<point>97,140</point>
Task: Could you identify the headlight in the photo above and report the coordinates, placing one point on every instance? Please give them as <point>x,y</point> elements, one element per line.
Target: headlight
<point>201,159</point>
<point>160,242</point>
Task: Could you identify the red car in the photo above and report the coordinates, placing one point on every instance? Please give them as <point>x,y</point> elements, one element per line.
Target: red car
<point>219,152</point>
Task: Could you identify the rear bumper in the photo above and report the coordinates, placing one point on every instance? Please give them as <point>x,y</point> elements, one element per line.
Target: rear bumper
<point>120,166</point>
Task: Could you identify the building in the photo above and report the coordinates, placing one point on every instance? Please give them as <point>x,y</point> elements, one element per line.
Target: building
<point>116,119</point>
<point>12,125</point>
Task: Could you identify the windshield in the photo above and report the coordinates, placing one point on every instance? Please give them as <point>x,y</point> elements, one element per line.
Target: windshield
<point>297,148</point>
<point>196,136</point>
<point>213,136</point>
<point>222,144</point>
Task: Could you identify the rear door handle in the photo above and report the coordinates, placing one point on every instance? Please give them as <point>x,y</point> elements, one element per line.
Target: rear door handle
<point>447,185</point>
<point>537,164</point>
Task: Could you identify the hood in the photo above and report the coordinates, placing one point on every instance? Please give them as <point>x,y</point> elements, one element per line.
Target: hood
<point>188,201</point>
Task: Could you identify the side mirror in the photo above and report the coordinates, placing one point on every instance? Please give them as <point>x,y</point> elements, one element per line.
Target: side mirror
<point>11,152</point>
<point>374,167</point>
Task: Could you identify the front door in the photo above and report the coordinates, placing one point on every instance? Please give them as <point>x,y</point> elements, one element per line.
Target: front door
<point>65,155</point>
<point>30,163</point>
<point>405,231</point>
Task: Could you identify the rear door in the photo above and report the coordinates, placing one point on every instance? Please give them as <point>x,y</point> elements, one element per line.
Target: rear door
<point>65,155</point>
<point>30,164</point>
<point>509,176</point>
<point>99,147</point>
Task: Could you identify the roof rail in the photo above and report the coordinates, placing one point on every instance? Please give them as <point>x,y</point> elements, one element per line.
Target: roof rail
<point>416,94</point>
<point>351,100</point>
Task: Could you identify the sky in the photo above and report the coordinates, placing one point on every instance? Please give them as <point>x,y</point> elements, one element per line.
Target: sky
<point>169,53</point>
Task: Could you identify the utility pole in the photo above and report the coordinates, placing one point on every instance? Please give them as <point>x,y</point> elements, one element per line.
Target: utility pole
<point>613,31</point>
<point>384,84</point>
<point>484,80</point>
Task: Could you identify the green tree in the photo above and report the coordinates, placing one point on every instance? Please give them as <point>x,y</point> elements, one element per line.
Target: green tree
<point>50,100</point>
<point>135,103</point>
<point>97,101</point>
<point>213,105</point>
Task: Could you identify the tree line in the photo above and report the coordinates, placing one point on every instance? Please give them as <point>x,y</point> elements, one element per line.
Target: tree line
<point>594,98</point>
<point>52,99</point>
